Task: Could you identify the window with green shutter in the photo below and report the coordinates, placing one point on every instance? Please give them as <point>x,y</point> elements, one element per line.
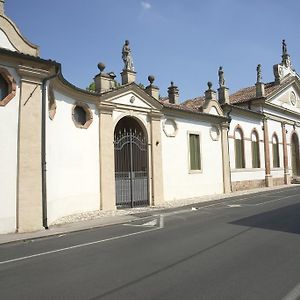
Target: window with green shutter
<point>239,149</point>
<point>195,159</point>
<point>255,150</point>
<point>275,148</point>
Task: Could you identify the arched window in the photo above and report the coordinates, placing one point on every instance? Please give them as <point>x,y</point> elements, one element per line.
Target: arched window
<point>255,150</point>
<point>275,148</point>
<point>239,149</point>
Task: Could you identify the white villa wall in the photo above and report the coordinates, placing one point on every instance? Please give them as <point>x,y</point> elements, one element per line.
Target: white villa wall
<point>73,180</point>
<point>8,159</point>
<point>247,173</point>
<point>179,182</point>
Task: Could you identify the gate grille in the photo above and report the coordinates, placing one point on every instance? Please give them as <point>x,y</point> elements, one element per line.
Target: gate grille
<point>131,172</point>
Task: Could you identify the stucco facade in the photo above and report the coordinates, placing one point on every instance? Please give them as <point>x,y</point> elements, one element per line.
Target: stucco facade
<point>65,150</point>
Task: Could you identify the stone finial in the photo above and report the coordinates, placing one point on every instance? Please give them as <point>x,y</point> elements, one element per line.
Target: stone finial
<point>221,77</point>
<point>2,2</point>
<point>104,82</point>
<point>210,94</point>
<point>151,79</point>
<point>101,67</point>
<point>173,93</point>
<point>151,89</point>
<point>258,73</point>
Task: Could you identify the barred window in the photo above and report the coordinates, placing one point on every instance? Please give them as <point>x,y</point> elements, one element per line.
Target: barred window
<point>255,150</point>
<point>239,149</point>
<point>195,159</point>
<point>275,148</point>
<point>82,115</point>
<point>3,88</point>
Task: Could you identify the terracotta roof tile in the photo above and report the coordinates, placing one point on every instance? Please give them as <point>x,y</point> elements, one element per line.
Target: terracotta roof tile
<point>165,102</point>
<point>196,103</point>
<point>248,93</point>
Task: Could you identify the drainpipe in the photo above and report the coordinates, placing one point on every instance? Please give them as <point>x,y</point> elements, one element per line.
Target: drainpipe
<point>43,152</point>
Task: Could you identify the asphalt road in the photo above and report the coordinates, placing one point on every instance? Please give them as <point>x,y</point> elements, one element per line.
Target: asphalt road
<point>245,247</point>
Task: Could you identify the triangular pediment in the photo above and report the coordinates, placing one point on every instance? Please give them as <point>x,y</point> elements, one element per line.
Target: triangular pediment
<point>287,97</point>
<point>132,96</point>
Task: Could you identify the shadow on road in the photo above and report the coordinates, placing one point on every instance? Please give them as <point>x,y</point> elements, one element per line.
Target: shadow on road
<point>286,219</point>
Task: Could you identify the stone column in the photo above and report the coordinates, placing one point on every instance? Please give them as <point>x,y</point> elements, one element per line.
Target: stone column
<point>29,181</point>
<point>156,160</point>
<point>225,158</point>
<point>287,179</point>
<point>268,176</point>
<point>107,163</point>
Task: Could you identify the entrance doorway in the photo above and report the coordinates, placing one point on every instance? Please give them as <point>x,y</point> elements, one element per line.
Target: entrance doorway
<point>295,155</point>
<point>131,164</point>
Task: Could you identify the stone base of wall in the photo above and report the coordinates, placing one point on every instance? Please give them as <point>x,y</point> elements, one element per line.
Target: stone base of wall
<point>247,185</point>
<point>252,184</point>
<point>278,181</point>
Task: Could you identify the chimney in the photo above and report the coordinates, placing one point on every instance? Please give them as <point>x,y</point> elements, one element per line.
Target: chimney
<point>104,82</point>
<point>173,93</point>
<point>210,94</point>
<point>151,89</point>
<point>260,86</point>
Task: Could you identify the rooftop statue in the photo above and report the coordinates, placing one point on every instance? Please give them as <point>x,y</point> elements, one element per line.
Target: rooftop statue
<point>284,48</point>
<point>126,56</point>
<point>221,77</point>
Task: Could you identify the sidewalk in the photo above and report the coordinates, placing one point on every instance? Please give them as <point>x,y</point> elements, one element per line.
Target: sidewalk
<point>95,219</point>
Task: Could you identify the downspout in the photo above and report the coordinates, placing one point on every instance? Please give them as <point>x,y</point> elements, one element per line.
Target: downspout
<point>43,150</point>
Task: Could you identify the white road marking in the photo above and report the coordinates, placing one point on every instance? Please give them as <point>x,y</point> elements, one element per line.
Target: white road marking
<point>245,204</point>
<point>161,225</point>
<point>234,205</point>
<point>294,294</point>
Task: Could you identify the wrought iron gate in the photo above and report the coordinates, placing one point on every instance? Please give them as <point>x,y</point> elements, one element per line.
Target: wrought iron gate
<point>131,168</point>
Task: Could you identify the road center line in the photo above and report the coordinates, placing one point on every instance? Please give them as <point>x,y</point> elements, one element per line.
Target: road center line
<point>79,245</point>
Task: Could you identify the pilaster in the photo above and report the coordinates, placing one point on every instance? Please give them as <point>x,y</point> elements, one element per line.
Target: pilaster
<point>287,179</point>
<point>156,160</point>
<point>107,163</point>
<point>29,181</point>
<point>225,158</point>
<point>268,176</point>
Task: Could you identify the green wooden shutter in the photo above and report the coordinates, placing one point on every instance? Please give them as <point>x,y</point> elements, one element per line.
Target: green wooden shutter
<point>255,154</point>
<point>195,161</point>
<point>239,154</point>
<point>276,163</point>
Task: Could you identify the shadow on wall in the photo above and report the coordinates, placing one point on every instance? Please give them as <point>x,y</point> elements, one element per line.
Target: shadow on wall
<point>286,219</point>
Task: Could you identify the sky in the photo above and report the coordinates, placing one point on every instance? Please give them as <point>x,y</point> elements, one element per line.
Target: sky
<point>182,41</point>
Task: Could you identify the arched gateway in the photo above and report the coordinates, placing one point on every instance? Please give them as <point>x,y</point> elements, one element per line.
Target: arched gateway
<point>131,164</point>
<point>295,155</point>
